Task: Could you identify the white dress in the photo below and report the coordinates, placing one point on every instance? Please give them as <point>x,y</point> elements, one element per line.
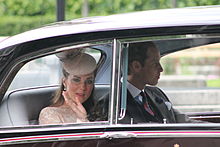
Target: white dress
<point>59,115</point>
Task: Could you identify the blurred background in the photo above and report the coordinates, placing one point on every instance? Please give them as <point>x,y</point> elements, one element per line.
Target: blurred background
<point>17,16</point>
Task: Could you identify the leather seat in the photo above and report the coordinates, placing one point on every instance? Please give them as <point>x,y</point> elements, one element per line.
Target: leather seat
<point>22,107</point>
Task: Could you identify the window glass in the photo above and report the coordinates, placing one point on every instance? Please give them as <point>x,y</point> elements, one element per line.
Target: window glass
<point>191,78</point>
<point>39,72</point>
<point>173,80</point>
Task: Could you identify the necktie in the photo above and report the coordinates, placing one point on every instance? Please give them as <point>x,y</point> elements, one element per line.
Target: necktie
<point>145,103</point>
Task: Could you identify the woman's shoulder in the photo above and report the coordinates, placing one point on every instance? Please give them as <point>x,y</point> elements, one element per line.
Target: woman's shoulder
<point>50,115</point>
<point>49,112</point>
<point>53,110</point>
<point>50,109</point>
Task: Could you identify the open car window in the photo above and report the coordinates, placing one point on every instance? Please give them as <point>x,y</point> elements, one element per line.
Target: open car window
<point>43,71</point>
<point>37,83</point>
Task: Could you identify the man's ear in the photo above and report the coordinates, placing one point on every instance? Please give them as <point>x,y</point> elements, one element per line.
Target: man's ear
<point>136,66</point>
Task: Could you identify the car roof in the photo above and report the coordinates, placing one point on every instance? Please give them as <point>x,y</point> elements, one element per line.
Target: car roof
<point>190,16</point>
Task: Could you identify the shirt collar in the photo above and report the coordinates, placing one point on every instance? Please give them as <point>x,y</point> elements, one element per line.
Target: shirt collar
<point>133,90</point>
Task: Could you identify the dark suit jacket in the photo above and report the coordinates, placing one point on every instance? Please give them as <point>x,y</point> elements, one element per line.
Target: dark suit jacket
<point>135,112</point>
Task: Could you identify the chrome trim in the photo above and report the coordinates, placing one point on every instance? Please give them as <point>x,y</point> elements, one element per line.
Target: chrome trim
<point>104,124</point>
<point>162,134</point>
<point>167,37</point>
<point>50,138</point>
<point>112,135</point>
<point>122,113</point>
<point>83,45</point>
<point>170,132</point>
<point>204,117</point>
<point>114,101</point>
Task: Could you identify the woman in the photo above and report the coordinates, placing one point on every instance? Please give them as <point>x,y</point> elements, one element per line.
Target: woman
<point>72,101</point>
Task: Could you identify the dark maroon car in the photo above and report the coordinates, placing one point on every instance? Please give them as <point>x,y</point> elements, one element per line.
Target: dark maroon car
<point>189,43</point>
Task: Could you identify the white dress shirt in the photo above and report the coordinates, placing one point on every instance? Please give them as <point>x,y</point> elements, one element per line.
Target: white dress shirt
<point>135,92</point>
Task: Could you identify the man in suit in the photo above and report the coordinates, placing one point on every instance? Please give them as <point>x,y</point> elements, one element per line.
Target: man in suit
<point>145,102</point>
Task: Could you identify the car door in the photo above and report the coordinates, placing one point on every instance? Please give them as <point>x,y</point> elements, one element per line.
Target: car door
<point>33,79</point>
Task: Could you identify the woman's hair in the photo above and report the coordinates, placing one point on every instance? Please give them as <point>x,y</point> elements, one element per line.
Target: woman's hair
<point>58,98</point>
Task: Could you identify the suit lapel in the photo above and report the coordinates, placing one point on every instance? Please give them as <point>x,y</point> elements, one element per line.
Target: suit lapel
<point>137,111</point>
<point>159,102</point>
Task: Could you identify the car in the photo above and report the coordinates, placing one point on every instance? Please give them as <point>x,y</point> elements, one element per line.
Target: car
<point>189,43</point>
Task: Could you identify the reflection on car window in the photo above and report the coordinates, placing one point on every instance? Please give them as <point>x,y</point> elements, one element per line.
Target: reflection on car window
<point>43,69</point>
<point>180,87</point>
<point>193,80</point>
<point>147,103</point>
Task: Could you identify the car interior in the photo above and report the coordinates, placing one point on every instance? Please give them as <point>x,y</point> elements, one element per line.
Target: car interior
<point>22,107</point>
<point>25,99</point>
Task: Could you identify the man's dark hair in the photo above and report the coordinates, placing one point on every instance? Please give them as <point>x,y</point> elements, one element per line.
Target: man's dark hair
<point>138,52</point>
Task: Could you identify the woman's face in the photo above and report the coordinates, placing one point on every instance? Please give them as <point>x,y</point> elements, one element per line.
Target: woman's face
<point>79,86</point>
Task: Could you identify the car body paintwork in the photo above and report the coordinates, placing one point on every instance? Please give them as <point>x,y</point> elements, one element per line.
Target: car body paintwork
<point>196,20</point>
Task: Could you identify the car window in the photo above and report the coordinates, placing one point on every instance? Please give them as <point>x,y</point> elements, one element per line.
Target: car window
<point>191,78</point>
<point>39,72</point>
<point>42,71</point>
<point>179,76</point>
<point>39,81</point>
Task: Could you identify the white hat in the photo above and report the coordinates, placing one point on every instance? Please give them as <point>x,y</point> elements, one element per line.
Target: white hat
<point>69,54</point>
<point>80,64</point>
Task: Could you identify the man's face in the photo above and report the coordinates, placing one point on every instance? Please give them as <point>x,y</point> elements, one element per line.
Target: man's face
<point>150,72</point>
